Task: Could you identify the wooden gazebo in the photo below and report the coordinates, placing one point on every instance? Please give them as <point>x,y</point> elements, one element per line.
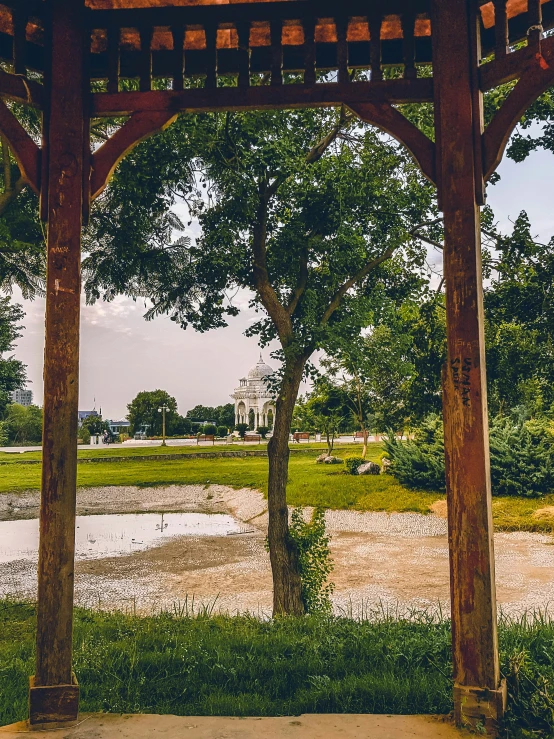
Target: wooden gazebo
<point>69,59</point>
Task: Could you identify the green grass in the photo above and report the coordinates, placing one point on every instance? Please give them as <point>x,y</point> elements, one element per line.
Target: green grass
<point>241,666</point>
<point>310,484</point>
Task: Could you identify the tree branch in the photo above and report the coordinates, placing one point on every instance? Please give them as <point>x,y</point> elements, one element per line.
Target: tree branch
<point>341,292</point>
<point>278,314</point>
<point>301,284</point>
<point>317,151</point>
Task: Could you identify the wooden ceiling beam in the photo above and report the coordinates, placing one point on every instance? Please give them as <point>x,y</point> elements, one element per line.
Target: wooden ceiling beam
<point>283,96</point>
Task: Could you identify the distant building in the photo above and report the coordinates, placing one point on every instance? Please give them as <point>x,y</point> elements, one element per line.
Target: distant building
<point>119,427</point>
<point>254,404</point>
<point>86,414</point>
<point>23,397</point>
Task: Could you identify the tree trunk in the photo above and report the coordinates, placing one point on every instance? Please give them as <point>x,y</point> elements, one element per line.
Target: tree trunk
<point>364,450</point>
<point>329,445</point>
<point>287,585</point>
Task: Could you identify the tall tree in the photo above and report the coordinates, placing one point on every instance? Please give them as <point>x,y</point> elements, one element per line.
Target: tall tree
<point>12,371</point>
<point>311,212</point>
<point>143,411</point>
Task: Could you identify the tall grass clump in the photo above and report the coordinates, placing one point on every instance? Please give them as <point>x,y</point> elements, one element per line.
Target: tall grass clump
<point>242,666</point>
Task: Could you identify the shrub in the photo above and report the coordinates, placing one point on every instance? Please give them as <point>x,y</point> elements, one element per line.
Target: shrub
<point>314,558</point>
<point>242,428</point>
<point>222,430</point>
<point>522,457</point>
<point>419,463</point>
<point>84,435</point>
<point>263,431</point>
<point>352,463</point>
<point>3,434</point>
<point>209,429</point>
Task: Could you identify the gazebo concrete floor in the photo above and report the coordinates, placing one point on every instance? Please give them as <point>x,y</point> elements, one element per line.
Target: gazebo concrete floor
<point>309,726</point>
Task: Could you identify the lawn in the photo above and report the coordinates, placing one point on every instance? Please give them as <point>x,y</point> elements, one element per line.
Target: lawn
<point>309,484</point>
<point>204,665</point>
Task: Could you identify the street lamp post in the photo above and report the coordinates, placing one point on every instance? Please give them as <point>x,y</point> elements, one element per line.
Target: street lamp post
<point>163,410</point>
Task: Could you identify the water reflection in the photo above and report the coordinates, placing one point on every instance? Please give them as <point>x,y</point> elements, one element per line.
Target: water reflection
<point>115,535</point>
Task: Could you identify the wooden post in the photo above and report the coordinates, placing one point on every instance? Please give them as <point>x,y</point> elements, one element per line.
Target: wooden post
<point>479,696</point>
<point>54,694</point>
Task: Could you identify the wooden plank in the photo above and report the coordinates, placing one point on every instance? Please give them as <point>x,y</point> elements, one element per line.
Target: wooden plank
<point>342,50</point>
<point>113,59</point>
<point>19,40</point>
<point>243,33</point>
<point>178,77</point>
<point>64,140</point>
<point>473,598</point>
<point>375,20</point>
<point>308,25</point>
<point>276,31</point>
<point>234,98</point>
<point>501,33</point>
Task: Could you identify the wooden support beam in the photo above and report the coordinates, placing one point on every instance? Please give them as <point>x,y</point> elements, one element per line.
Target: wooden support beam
<point>24,149</point>
<point>64,146</point>
<point>308,26</point>
<point>395,91</point>
<point>243,33</point>
<point>537,77</point>
<point>478,695</point>
<point>136,129</point>
<point>390,120</point>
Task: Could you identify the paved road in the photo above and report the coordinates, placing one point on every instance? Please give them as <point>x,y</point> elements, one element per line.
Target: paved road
<point>153,443</point>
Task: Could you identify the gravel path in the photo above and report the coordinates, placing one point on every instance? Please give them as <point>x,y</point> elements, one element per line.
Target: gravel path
<point>382,561</point>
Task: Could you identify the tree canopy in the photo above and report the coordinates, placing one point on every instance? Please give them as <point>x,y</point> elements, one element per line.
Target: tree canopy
<point>143,411</point>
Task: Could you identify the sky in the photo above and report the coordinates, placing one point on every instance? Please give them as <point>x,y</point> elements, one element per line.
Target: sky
<point>122,354</point>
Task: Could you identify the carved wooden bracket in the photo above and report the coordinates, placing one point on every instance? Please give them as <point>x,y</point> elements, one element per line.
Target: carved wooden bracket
<point>24,149</point>
<point>389,119</point>
<point>538,77</point>
<point>139,126</point>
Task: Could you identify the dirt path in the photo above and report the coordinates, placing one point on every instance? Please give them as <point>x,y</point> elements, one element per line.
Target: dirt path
<point>382,561</point>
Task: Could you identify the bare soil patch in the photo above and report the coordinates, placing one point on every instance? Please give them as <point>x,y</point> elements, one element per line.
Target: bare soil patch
<point>382,561</point>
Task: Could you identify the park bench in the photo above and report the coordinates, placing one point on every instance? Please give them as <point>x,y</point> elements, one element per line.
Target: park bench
<point>209,437</point>
<point>299,436</point>
<point>252,437</point>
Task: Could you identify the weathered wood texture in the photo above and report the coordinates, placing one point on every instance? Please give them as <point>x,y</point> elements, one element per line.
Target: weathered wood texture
<point>474,631</point>
<point>64,144</point>
<point>53,704</point>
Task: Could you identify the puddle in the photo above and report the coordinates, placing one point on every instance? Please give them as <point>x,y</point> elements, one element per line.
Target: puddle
<point>113,535</point>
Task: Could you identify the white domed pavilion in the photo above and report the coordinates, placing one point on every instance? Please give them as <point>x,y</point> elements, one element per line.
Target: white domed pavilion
<point>254,404</point>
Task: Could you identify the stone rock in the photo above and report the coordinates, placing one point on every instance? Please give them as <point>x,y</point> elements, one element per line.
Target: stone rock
<point>369,468</point>
<point>385,464</point>
<point>332,460</point>
<point>321,458</point>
